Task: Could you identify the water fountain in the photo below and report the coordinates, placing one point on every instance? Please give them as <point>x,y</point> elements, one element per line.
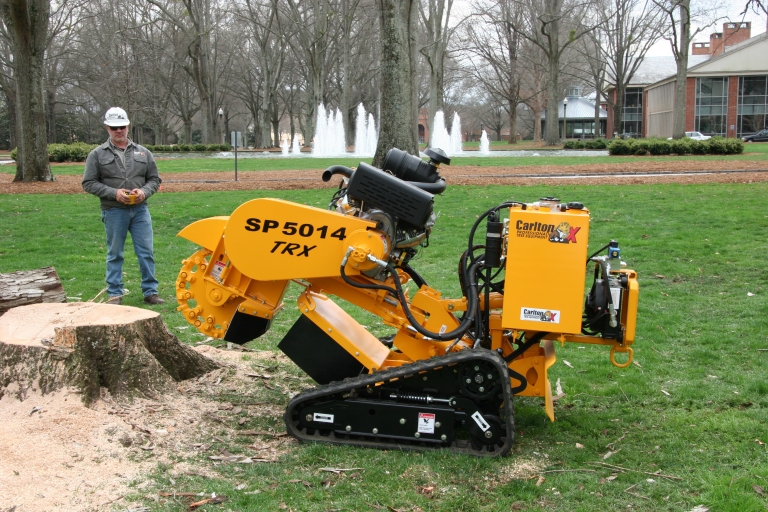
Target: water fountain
<point>371,137</point>
<point>284,147</point>
<point>440,138</point>
<point>456,135</point>
<point>365,133</point>
<point>330,139</point>
<point>296,148</point>
<point>450,142</point>
<point>484,144</point>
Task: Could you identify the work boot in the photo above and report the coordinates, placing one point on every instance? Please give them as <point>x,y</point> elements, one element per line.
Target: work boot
<point>116,300</point>
<point>153,299</point>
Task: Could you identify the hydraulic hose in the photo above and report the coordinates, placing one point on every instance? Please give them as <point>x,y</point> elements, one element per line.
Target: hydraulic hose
<point>437,187</point>
<point>337,169</point>
<point>398,292</point>
<point>466,321</point>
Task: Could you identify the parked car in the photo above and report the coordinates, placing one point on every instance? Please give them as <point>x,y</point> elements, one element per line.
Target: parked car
<point>697,136</point>
<point>761,136</point>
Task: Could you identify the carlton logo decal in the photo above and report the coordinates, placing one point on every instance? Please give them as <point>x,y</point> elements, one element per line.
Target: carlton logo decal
<point>550,316</point>
<point>563,233</point>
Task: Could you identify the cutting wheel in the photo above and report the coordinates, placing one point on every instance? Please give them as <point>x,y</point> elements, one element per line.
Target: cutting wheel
<point>202,301</point>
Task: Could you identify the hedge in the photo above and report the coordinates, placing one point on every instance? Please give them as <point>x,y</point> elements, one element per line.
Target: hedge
<point>188,147</point>
<point>78,151</point>
<point>684,146</point>
<point>586,144</point>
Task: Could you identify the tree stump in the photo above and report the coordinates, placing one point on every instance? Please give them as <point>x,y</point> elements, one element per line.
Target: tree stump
<point>30,287</point>
<point>45,347</point>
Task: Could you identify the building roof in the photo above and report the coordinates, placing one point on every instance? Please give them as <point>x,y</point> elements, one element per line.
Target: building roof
<point>578,108</point>
<point>653,69</point>
<point>746,57</point>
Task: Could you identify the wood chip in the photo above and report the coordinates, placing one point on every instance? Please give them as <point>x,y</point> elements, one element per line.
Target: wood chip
<point>341,470</point>
<point>207,501</point>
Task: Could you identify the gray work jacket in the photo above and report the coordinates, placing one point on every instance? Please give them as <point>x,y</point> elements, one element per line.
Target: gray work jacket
<point>105,173</point>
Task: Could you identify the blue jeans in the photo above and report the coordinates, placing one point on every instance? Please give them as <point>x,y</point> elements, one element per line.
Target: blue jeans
<point>117,223</point>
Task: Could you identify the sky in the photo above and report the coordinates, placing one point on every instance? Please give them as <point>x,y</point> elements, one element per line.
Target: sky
<point>730,8</point>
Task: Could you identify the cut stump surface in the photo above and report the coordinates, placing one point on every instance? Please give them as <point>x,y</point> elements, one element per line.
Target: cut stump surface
<point>45,347</point>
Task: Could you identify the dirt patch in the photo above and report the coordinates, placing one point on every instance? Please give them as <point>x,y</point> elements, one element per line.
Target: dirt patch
<point>58,454</point>
<point>643,170</point>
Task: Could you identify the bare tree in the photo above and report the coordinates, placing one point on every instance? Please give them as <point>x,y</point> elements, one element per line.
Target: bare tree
<point>399,112</point>
<point>590,48</point>
<point>493,44</point>
<point>679,17</point>
<point>310,39</point>
<point>553,25</point>
<point>534,84</point>
<point>265,31</point>
<point>8,82</point>
<point>630,28</point>
<point>199,21</point>
<point>435,16</point>
<point>27,25</point>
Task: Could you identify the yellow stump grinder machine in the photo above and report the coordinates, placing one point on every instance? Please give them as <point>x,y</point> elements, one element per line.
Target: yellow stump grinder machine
<point>446,375</point>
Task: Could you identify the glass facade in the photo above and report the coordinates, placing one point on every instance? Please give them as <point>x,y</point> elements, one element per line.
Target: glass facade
<point>753,101</point>
<point>632,116</point>
<point>711,116</point>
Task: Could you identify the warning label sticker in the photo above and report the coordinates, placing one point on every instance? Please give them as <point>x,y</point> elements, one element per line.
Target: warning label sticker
<point>551,316</point>
<point>217,269</point>
<point>426,423</point>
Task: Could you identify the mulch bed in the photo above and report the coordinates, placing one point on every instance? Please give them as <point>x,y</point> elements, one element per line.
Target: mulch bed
<point>644,170</point>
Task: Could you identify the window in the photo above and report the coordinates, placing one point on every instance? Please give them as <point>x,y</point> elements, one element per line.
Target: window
<point>752,113</point>
<point>632,115</point>
<point>711,106</point>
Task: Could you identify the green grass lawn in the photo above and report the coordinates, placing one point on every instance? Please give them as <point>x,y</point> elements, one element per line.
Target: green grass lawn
<point>694,407</point>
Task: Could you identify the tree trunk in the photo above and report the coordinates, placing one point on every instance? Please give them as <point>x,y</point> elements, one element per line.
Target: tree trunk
<point>552,137</point>
<point>346,84</point>
<point>51,115</point>
<point>597,132</point>
<point>513,123</point>
<point>27,22</point>
<point>681,57</point>
<point>129,351</point>
<point>30,287</point>
<point>398,90</point>
<point>618,108</point>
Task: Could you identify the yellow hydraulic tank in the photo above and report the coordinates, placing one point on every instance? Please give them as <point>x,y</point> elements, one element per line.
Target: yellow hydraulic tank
<point>546,267</point>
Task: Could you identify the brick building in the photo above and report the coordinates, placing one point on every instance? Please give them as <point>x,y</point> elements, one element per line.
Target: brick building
<point>726,94</point>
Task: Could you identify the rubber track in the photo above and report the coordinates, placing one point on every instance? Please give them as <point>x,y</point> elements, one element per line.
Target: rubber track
<point>309,396</point>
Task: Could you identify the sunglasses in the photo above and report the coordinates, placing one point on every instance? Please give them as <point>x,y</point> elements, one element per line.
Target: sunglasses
<point>115,128</point>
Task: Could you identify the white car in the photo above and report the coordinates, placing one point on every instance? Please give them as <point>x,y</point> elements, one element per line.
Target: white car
<point>697,136</point>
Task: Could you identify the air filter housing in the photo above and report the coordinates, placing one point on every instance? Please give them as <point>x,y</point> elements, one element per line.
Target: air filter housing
<point>378,189</point>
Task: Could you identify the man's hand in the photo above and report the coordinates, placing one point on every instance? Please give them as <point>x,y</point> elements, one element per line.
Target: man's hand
<point>134,196</point>
<point>122,196</point>
<point>139,194</point>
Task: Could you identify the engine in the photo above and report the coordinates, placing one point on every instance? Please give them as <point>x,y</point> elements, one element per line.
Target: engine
<point>399,198</point>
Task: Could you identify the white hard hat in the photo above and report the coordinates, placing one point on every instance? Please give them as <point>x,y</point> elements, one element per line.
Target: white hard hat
<point>116,117</point>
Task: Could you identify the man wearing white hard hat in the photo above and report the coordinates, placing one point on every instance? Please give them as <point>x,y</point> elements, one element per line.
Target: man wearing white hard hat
<point>123,175</point>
